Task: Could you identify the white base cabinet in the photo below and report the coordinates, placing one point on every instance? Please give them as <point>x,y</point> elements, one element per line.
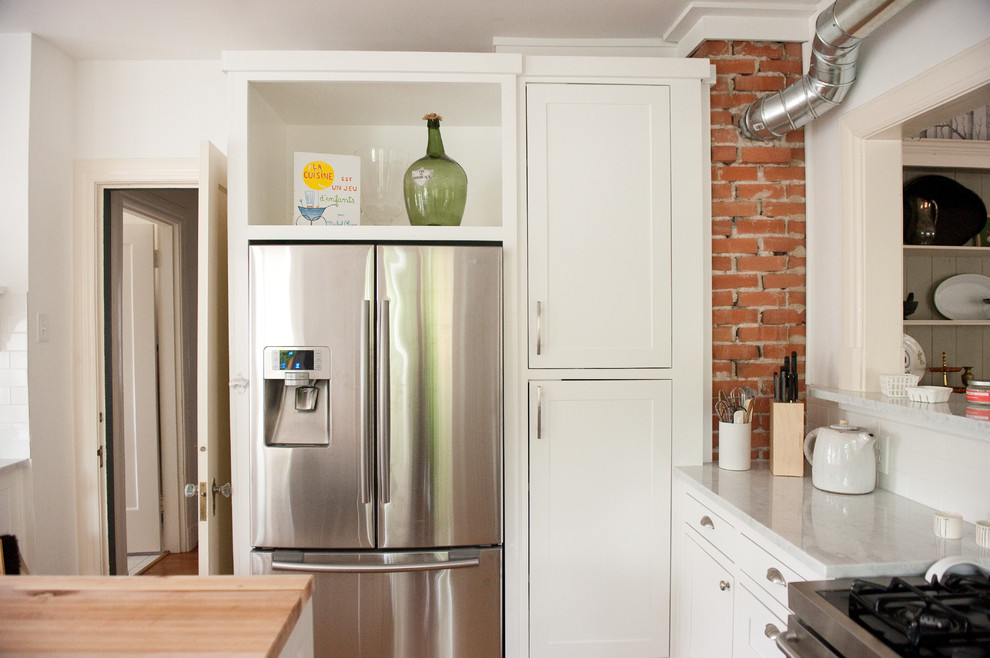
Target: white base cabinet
<point>599,518</point>
<point>729,592</point>
<point>708,615</point>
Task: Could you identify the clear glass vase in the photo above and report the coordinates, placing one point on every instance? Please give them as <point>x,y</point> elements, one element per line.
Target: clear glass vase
<point>435,186</point>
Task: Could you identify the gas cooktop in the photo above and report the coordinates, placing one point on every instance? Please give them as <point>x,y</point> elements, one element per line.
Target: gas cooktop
<point>885,617</point>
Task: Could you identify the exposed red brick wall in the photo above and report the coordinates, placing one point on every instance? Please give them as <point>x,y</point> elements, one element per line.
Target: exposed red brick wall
<point>758,229</point>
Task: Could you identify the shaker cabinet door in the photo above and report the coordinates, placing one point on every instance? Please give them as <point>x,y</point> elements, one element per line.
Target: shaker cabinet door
<point>599,225</point>
<point>599,518</point>
<point>706,615</point>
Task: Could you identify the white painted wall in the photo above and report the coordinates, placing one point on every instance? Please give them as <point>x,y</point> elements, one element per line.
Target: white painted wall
<point>15,89</point>
<point>54,110</point>
<point>920,36</point>
<point>50,271</point>
<point>149,109</point>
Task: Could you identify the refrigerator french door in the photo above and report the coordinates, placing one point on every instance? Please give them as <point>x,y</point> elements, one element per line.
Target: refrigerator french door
<point>376,441</point>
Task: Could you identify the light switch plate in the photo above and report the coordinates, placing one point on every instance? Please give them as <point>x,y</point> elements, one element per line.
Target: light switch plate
<point>42,327</point>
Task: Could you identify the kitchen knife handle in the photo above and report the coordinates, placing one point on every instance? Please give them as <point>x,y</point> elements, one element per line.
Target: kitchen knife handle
<point>539,328</point>
<point>384,402</point>
<point>367,406</point>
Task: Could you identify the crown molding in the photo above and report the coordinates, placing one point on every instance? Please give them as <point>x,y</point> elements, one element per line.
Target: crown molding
<point>594,47</point>
<point>749,21</point>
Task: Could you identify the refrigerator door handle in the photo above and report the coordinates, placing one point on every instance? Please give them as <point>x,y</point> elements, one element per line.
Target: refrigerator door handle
<point>384,402</point>
<point>431,565</point>
<point>367,406</point>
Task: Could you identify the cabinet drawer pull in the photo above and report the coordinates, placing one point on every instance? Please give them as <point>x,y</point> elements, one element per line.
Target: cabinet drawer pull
<point>539,328</point>
<point>783,642</point>
<point>539,412</point>
<point>775,577</point>
<point>724,585</point>
<point>706,522</point>
<point>771,631</point>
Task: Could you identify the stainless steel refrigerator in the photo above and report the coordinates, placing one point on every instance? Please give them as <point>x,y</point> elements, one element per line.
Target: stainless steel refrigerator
<point>376,441</point>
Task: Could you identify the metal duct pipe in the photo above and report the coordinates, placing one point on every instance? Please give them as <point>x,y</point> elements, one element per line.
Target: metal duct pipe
<point>838,33</point>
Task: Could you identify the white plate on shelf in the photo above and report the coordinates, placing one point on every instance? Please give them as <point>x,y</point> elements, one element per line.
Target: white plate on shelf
<point>914,357</point>
<point>961,297</point>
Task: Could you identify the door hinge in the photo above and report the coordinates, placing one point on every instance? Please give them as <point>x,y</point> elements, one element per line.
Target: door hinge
<point>155,259</point>
<point>99,455</point>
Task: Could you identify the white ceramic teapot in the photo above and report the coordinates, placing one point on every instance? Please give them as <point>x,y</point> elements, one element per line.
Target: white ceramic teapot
<point>842,458</point>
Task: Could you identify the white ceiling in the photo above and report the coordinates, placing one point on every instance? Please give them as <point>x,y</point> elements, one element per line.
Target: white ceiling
<point>200,29</point>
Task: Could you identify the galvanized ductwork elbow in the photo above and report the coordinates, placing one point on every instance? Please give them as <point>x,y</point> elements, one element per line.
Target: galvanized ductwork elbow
<point>838,33</point>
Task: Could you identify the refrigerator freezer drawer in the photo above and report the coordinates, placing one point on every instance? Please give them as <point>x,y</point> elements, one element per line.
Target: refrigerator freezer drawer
<point>433,604</point>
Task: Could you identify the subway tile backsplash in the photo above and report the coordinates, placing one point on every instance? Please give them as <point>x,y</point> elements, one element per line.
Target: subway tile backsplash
<point>945,471</point>
<point>14,442</point>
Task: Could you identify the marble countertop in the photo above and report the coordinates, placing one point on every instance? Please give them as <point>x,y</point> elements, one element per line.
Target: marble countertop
<point>955,416</point>
<point>11,464</point>
<point>836,535</point>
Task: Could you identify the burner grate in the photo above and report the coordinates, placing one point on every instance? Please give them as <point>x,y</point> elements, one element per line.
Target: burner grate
<point>951,618</point>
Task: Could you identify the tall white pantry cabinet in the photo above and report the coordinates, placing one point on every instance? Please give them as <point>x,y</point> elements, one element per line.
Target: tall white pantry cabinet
<point>606,248</point>
<point>618,340</point>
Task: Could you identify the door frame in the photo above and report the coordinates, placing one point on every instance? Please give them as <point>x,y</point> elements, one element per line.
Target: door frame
<point>871,181</point>
<point>91,178</point>
<point>179,527</point>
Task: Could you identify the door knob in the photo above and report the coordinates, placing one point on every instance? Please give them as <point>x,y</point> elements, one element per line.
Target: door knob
<point>222,490</point>
<point>191,490</point>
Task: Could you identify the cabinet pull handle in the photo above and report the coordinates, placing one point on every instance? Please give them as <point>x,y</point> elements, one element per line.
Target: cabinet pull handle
<point>771,631</point>
<point>775,577</point>
<point>706,522</point>
<point>539,412</point>
<point>724,585</point>
<point>539,328</point>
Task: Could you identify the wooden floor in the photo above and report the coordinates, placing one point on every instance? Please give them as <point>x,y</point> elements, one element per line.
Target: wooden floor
<point>175,564</point>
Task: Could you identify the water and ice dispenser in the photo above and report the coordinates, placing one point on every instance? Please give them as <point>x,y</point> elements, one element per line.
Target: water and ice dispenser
<point>297,396</point>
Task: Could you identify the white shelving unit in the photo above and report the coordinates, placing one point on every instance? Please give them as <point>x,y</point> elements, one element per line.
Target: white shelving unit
<point>965,342</point>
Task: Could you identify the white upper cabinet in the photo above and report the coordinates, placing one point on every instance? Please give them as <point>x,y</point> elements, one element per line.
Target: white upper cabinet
<point>599,225</point>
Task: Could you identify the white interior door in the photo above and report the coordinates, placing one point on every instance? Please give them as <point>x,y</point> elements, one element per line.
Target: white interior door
<point>216,553</point>
<point>140,390</point>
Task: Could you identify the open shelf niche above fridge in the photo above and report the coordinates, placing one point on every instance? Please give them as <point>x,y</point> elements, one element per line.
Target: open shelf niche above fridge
<point>342,104</point>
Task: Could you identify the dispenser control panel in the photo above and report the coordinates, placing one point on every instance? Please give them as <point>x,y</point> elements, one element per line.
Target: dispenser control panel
<point>292,362</point>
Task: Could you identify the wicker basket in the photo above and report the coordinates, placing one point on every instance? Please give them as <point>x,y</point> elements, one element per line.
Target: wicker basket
<point>894,386</point>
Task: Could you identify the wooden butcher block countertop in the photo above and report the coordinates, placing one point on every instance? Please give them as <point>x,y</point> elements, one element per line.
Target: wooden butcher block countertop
<point>176,615</point>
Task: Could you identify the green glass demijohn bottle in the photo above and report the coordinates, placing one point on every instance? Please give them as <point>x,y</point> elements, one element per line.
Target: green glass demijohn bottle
<point>435,187</point>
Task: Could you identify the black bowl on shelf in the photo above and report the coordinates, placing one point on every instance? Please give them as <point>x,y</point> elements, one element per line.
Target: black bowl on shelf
<point>958,212</point>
